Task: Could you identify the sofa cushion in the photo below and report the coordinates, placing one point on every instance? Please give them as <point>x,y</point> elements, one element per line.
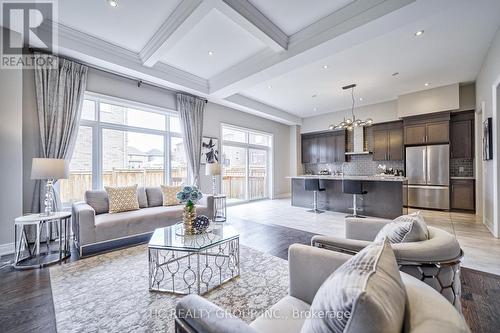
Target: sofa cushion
<point>405,228</point>
<point>98,200</point>
<point>117,225</point>
<point>365,294</point>
<point>122,198</point>
<point>142,197</point>
<point>170,195</point>
<point>154,195</point>
<point>292,313</point>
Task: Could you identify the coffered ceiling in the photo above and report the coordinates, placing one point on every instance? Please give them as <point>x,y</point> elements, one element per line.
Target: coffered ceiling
<point>268,57</point>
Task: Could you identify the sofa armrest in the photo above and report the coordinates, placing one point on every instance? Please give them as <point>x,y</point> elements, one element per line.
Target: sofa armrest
<point>349,246</point>
<point>202,316</point>
<point>309,267</point>
<point>363,228</point>
<point>83,222</point>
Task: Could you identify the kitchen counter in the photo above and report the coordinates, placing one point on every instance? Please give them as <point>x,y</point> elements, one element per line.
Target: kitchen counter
<point>348,177</point>
<point>385,197</point>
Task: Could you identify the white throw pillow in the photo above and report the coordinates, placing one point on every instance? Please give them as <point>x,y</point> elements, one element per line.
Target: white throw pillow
<point>405,229</point>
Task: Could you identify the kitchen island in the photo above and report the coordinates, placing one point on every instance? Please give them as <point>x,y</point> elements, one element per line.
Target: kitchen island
<point>386,195</point>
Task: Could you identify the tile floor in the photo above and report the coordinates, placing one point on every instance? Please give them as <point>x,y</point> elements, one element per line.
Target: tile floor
<point>482,250</point>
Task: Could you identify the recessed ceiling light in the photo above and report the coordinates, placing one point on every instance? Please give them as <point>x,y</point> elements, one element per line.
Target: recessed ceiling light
<point>361,98</point>
<point>325,66</point>
<point>210,53</point>
<point>113,3</point>
<point>419,33</point>
<point>426,84</point>
<point>269,87</point>
<point>315,109</point>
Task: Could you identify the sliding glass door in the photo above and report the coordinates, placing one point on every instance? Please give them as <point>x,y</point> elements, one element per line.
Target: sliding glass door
<point>246,164</point>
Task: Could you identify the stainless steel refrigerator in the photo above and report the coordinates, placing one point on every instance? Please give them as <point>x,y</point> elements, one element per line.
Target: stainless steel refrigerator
<point>427,170</point>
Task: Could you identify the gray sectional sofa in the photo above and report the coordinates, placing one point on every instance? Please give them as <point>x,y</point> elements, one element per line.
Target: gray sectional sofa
<point>96,230</point>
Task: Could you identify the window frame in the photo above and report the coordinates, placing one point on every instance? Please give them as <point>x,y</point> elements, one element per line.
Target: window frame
<point>247,146</point>
<point>99,126</point>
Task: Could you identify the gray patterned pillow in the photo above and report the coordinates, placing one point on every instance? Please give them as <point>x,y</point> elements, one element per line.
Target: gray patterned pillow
<point>405,229</point>
<point>365,294</point>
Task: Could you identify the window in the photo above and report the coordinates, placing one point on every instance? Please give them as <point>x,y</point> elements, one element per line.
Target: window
<point>124,143</point>
<point>246,164</point>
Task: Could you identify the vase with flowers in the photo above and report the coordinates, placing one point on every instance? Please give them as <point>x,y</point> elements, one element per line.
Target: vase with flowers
<point>189,195</point>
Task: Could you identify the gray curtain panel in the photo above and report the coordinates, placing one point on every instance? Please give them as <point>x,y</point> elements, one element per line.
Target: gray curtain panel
<point>191,117</point>
<point>59,96</point>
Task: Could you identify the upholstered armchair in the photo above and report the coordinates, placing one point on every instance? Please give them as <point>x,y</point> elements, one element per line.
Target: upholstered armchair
<point>425,310</point>
<point>435,261</point>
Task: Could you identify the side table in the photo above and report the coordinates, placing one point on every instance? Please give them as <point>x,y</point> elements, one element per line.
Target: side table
<point>35,258</point>
<point>219,208</point>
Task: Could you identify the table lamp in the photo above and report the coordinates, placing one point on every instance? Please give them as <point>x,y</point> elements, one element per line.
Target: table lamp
<point>213,169</point>
<point>49,169</point>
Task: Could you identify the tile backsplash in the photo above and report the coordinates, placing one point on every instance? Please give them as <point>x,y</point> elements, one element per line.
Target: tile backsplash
<point>358,165</point>
<point>462,167</point>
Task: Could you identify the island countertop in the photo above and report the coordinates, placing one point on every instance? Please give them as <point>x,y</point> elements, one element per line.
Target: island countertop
<point>352,177</point>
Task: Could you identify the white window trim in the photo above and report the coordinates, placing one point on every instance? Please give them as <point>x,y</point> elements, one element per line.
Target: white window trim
<point>248,146</point>
<point>97,128</point>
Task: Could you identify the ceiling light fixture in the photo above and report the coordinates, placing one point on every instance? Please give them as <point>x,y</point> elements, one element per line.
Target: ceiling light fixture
<point>325,66</point>
<point>350,123</point>
<point>426,84</point>
<point>210,53</point>
<point>419,33</point>
<point>269,87</point>
<point>315,109</point>
<point>361,99</point>
<point>113,3</point>
<point>395,74</point>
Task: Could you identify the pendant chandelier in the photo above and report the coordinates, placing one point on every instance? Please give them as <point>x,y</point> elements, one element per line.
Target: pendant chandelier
<point>350,123</point>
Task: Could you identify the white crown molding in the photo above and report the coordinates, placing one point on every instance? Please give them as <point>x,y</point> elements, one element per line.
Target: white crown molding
<point>311,44</point>
<point>252,20</point>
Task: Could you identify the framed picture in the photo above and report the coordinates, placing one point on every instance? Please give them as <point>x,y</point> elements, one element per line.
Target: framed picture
<point>488,139</point>
<point>209,150</point>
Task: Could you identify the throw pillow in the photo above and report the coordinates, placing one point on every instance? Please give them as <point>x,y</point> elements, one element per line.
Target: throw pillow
<point>170,195</point>
<point>404,229</point>
<point>365,294</point>
<point>122,199</point>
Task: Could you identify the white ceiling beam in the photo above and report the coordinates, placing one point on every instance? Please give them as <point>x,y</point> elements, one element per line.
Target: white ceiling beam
<point>260,109</point>
<point>107,56</point>
<point>248,17</point>
<point>315,42</point>
<point>184,18</point>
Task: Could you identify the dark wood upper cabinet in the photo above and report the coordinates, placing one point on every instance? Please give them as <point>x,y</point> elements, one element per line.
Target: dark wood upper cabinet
<point>437,132</point>
<point>388,142</point>
<point>461,139</point>
<point>414,134</point>
<point>323,147</point>
<point>462,194</point>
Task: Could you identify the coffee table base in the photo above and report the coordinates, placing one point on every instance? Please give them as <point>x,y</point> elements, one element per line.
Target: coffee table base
<point>189,271</point>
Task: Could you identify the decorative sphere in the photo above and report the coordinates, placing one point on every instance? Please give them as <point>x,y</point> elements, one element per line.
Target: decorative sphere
<point>201,223</point>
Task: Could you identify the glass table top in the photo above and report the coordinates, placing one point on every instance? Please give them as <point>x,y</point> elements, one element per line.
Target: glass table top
<point>172,237</point>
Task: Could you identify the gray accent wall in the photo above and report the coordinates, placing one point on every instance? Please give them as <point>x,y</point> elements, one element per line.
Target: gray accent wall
<point>11,159</point>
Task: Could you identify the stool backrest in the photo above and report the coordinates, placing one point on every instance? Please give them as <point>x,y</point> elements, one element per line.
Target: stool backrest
<point>352,187</point>
<point>311,184</point>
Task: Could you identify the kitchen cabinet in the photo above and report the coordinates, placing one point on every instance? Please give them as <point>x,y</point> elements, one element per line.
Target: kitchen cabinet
<point>462,194</point>
<point>388,142</point>
<point>323,148</point>
<point>461,139</point>
<point>427,133</point>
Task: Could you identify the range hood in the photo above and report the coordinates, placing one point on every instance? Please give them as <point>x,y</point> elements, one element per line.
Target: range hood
<point>359,139</point>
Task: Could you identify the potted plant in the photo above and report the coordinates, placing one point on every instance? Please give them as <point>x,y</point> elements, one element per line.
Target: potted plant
<point>189,195</point>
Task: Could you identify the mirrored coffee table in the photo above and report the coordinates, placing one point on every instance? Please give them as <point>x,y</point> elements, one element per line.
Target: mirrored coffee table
<point>186,264</point>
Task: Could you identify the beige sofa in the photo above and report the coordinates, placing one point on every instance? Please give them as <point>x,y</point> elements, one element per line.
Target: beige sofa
<point>96,230</point>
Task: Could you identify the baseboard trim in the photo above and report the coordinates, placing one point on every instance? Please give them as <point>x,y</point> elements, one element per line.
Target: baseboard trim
<point>6,249</point>
<point>282,196</point>
<point>489,226</point>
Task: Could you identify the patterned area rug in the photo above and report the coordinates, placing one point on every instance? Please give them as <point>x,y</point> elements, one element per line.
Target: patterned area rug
<point>109,292</point>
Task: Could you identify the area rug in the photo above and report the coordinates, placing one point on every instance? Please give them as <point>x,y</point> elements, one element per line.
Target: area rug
<point>109,292</point>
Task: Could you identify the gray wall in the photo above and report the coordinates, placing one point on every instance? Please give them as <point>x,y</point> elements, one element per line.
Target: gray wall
<point>487,176</point>
<point>11,161</point>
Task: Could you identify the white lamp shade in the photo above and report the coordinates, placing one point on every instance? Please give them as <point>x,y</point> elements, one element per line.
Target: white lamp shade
<point>49,168</point>
<point>212,169</point>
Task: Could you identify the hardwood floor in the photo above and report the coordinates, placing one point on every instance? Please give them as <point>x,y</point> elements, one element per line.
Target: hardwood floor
<point>26,299</point>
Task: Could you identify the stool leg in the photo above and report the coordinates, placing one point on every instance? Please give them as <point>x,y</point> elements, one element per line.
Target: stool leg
<point>354,205</point>
<point>315,201</point>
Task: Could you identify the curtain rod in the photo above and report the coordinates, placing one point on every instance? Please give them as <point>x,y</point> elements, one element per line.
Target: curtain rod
<point>129,77</point>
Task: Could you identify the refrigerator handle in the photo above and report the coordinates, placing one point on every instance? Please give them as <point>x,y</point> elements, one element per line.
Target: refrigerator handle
<point>428,159</point>
<point>424,164</point>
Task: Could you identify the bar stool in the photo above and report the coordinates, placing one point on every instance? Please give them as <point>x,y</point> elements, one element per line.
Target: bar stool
<point>354,187</point>
<point>314,186</point>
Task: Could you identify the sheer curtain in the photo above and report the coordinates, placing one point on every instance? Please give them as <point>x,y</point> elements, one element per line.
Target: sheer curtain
<point>59,97</point>
<point>191,117</point>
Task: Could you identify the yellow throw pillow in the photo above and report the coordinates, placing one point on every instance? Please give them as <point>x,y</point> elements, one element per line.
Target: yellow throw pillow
<point>122,199</point>
<point>170,195</point>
